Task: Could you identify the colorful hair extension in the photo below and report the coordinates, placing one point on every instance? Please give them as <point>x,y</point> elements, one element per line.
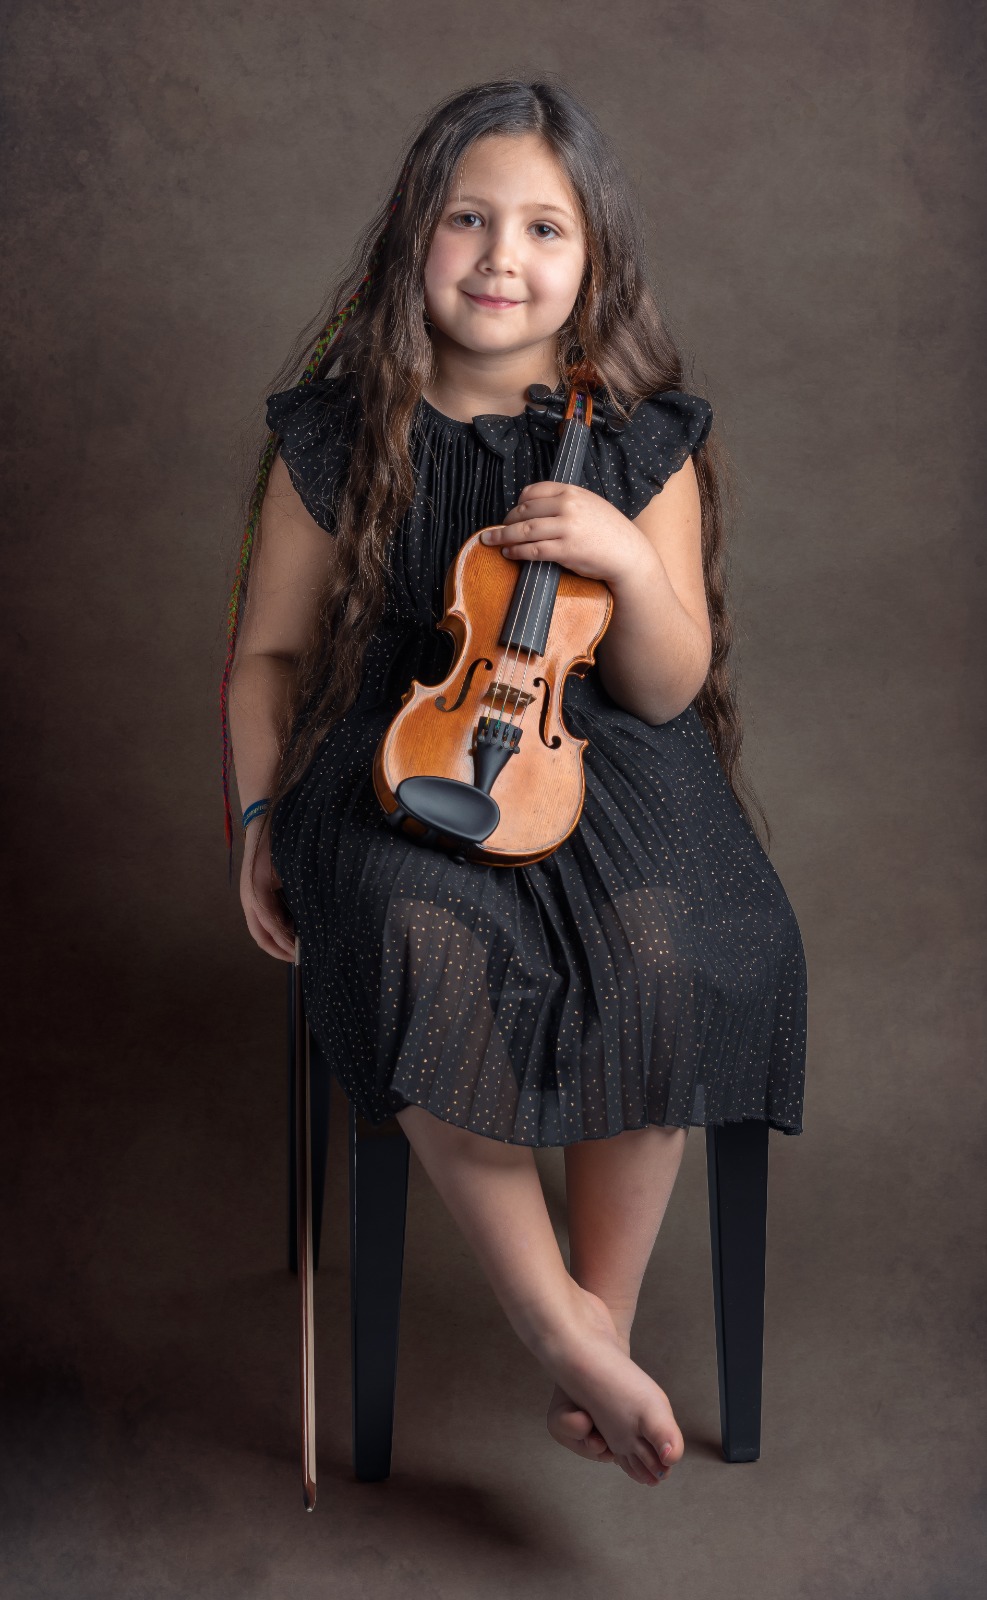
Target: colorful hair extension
<point>322,344</point>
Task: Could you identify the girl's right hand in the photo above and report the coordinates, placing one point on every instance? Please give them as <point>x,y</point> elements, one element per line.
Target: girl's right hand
<point>263,907</point>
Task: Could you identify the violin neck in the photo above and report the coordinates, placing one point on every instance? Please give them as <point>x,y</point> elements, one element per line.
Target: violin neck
<point>529,618</point>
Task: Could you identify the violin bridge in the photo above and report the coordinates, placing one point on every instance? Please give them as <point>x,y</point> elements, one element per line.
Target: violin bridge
<point>504,700</point>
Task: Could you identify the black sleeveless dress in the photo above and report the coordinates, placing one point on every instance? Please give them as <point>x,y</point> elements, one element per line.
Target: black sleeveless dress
<point>650,970</point>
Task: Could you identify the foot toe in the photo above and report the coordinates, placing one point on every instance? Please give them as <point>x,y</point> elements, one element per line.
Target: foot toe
<point>648,1457</point>
<point>571,1423</point>
<point>573,1427</point>
<point>634,1469</point>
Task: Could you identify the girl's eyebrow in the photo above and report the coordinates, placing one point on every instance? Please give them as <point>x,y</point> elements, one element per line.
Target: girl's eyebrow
<point>530,205</point>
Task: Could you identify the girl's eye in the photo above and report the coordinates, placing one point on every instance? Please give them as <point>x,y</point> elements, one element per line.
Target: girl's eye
<point>467,218</point>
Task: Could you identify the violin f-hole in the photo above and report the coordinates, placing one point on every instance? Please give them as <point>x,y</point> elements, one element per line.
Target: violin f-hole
<point>440,699</point>
<point>546,706</point>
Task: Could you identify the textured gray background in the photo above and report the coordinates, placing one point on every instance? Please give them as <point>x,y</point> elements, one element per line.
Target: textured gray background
<point>182,183</point>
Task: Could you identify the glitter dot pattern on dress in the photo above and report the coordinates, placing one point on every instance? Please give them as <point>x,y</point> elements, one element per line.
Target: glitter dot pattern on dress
<point>651,970</point>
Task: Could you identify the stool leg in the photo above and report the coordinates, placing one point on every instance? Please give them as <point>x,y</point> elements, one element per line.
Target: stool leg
<point>378,1212</point>
<point>737,1180</point>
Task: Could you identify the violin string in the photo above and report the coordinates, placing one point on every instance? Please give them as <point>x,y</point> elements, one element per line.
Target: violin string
<point>542,580</point>
<point>533,570</point>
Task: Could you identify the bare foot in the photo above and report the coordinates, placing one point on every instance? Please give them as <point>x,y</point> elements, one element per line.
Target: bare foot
<point>605,1396</point>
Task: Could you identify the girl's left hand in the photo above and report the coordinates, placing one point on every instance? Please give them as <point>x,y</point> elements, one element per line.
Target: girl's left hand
<point>573,526</point>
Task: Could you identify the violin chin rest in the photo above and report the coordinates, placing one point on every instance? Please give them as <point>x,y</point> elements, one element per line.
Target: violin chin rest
<point>449,806</point>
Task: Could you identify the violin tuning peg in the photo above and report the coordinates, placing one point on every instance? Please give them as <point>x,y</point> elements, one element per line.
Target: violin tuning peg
<point>604,413</point>
<point>543,402</point>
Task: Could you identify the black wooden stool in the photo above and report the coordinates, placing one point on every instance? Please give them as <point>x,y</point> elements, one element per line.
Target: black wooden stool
<point>737,1179</point>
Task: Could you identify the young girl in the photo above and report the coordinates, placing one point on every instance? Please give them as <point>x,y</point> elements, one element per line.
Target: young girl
<point>649,975</point>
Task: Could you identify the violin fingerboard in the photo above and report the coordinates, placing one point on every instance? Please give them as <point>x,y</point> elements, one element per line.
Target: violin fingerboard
<point>568,466</point>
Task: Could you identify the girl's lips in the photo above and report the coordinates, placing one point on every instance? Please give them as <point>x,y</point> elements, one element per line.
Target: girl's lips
<point>489,300</point>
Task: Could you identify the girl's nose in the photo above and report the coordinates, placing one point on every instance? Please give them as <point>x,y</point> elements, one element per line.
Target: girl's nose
<point>499,255</point>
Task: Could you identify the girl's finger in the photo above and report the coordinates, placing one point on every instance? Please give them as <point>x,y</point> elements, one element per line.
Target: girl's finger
<point>272,904</point>
<point>531,508</point>
<point>262,939</point>
<point>520,531</point>
<point>279,936</point>
<point>274,930</point>
<point>545,488</point>
<point>525,552</point>
<point>543,550</point>
<point>272,948</point>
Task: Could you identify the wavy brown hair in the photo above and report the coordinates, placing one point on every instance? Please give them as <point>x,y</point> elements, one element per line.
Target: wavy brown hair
<point>374,329</point>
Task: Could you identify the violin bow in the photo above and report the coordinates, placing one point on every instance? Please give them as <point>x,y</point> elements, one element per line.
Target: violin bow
<point>303,1234</point>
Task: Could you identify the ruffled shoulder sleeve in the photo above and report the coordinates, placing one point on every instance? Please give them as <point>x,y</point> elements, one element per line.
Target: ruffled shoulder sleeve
<point>633,464</point>
<point>315,423</point>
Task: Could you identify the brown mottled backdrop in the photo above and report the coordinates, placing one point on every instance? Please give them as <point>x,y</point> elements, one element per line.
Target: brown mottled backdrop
<point>181,183</point>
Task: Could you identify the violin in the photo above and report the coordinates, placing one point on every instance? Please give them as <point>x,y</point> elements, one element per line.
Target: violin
<point>481,765</point>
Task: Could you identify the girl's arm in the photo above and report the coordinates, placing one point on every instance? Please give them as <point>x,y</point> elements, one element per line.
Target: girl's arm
<point>655,655</point>
<point>287,573</point>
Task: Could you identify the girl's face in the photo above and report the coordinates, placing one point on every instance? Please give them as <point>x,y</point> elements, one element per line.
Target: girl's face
<point>508,255</point>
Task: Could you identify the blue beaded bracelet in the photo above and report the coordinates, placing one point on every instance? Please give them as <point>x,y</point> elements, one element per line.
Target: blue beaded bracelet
<point>257,809</point>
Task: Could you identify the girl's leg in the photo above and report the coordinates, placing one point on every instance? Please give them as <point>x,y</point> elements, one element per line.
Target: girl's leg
<point>494,1194</point>
<point>617,1190</point>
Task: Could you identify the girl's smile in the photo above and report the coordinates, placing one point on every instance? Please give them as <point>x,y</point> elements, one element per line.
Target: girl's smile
<point>490,300</point>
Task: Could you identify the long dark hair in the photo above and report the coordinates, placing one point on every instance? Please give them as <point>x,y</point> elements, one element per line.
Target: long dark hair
<point>374,329</point>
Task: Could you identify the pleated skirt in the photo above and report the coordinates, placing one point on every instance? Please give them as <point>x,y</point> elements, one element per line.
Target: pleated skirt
<point>650,971</point>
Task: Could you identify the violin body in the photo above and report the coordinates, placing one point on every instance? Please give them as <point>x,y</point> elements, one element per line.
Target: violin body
<point>540,791</point>
<point>482,765</point>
